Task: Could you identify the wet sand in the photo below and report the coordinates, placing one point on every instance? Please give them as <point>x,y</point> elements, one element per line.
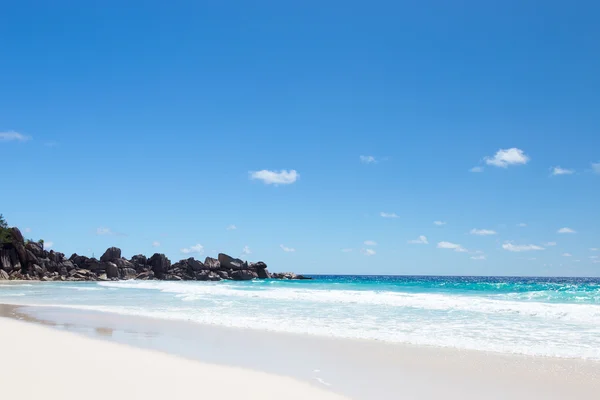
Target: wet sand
<point>39,362</point>
<point>355,368</point>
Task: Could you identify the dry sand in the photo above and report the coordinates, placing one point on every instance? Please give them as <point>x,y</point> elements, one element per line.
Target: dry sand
<point>358,369</point>
<point>37,362</point>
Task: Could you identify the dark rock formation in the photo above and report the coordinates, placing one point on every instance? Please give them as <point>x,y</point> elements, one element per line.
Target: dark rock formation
<point>160,264</point>
<point>243,275</point>
<point>287,275</point>
<point>212,263</point>
<point>36,249</point>
<point>112,271</point>
<point>228,262</point>
<point>111,254</point>
<point>29,261</point>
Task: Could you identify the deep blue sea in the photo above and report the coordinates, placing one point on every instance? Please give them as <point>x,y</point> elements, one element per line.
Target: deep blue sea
<point>536,316</point>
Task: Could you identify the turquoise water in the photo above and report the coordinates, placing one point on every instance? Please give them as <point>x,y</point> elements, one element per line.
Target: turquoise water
<point>536,316</point>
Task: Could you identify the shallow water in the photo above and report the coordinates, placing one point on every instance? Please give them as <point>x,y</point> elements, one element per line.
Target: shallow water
<point>535,316</point>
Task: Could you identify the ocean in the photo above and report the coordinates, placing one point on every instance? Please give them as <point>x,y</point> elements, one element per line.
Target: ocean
<point>557,317</point>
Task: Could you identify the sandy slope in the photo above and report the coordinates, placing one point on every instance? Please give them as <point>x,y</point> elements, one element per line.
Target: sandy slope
<point>42,363</point>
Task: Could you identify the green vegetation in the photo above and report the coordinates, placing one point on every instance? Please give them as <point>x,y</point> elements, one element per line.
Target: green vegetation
<point>4,232</point>
<point>5,236</point>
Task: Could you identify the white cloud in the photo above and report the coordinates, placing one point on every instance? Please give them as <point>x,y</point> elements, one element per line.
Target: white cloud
<point>567,255</point>
<point>368,159</point>
<point>198,248</point>
<point>594,249</point>
<point>439,223</point>
<point>370,243</point>
<point>155,244</point>
<point>48,244</point>
<point>476,169</point>
<point>562,171</point>
<point>566,230</point>
<point>505,157</point>
<point>346,250</point>
<point>282,177</point>
<point>483,232</point>
<point>246,250</point>
<point>388,215</point>
<point>368,252</point>
<point>452,246</point>
<point>231,228</point>
<point>550,244</point>
<point>287,249</point>
<point>105,232</point>
<point>480,257</point>
<point>421,240</point>
<point>596,167</point>
<point>13,136</point>
<point>522,225</point>
<point>521,247</point>
<point>27,230</point>
<point>593,257</point>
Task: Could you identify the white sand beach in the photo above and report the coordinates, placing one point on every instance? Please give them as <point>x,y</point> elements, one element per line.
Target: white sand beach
<point>39,362</point>
<point>137,357</point>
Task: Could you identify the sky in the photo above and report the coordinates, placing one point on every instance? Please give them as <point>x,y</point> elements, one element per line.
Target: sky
<point>380,137</point>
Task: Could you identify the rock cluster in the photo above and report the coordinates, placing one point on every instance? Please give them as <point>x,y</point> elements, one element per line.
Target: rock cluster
<point>20,260</point>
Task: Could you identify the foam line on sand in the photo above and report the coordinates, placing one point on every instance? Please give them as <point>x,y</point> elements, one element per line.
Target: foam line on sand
<point>40,362</point>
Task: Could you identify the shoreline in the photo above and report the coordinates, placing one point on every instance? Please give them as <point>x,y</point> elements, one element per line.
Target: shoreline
<point>65,365</point>
<point>360,369</point>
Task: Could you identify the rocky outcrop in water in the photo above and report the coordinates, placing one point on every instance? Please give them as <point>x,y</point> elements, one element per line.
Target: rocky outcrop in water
<point>20,260</point>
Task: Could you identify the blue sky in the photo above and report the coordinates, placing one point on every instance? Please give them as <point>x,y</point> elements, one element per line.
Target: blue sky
<point>161,126</point>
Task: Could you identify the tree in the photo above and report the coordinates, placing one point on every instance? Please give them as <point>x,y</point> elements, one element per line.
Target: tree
<point>4,232</point>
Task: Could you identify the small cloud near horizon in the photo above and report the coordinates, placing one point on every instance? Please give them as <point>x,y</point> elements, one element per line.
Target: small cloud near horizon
<point>561,171</point>
<point>246,250</point>
<point>566,230</point>
<point>506,157</point>
<point>522,225</point>
<point>155,244</point>
<point>368,159</point>
<point>346,250</point>
<point>519,248</point>
<point>283,177</point>
<point>451,246</point>
<point>483,232</point>
<point>368,252</point>
<point>550,244</point>
<point>439,223</point>
<point>48,244</point>
<point>197,248</point>
<point>388,215</point>
<point>476,169</point>
<point>287,249</point>
<point>420,240</point>
<point>567,255</point>
<point>102,231</point>
<point>370,243</point>
<point>12,136</point>
<point>596,167</point>
<point>27,230</point>
<point>231,228</point>
<point>479,257</point>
